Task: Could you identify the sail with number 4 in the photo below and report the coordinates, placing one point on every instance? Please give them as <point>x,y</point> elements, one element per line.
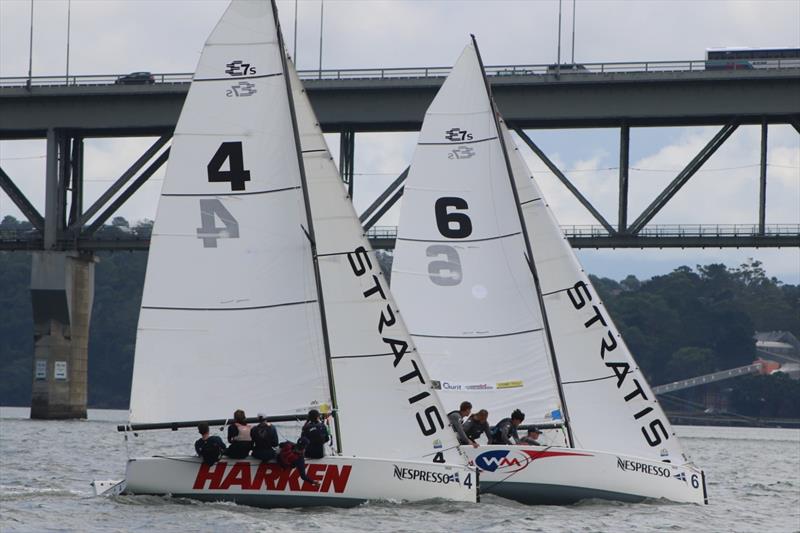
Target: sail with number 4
<point>494,296</point>
<point>262,292</point>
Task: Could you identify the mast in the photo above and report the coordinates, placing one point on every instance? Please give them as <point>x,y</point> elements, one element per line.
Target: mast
<point>310,231</point>
<point>531,263</point>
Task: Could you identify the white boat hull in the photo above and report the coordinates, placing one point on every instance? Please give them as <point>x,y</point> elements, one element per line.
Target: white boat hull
<point>344,481</point>
<point>548,475</point>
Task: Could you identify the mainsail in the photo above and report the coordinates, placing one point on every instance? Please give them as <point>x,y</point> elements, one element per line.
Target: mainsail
<point>229,315</point>
<point>331,337</point>
<point>460,271</point>
<point>462,277</point>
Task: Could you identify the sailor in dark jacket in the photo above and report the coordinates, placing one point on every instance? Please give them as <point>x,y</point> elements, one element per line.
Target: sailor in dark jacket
<point>317,434</point>
<point>456,420</point>
<point>210,448</point>
<point>477,425</point>
<point>506,429</point>
<point>265,439</point>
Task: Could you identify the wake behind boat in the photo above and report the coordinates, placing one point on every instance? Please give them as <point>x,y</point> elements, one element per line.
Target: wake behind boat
<point>506,318</point>
<point>262,293</point>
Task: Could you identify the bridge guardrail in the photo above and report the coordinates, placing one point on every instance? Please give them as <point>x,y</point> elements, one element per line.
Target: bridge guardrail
<point>408,72</point>
<point>110,233</point>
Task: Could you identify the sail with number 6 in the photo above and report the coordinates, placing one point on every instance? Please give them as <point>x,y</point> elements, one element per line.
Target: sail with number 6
<point>494,296</point>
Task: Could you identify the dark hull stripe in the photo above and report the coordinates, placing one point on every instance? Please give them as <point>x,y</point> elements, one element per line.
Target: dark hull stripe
<point>313,151</point>
<point>545,494</point>
<point>475,336</point>
<point>237,78</point>
<point>227,308</point>
<point>456,241</point>
<point>244,193</point>
<point>270,501</point>
<point>454,143</point>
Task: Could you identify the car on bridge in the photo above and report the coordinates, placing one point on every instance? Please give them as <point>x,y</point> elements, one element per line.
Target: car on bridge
<point>566,67</point>
<point>136,78</point>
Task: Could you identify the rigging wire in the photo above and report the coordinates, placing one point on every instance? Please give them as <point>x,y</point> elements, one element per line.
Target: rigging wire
<point>690,403</point>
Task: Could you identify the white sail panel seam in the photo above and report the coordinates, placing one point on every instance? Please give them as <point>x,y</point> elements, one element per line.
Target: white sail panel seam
<point>284,189</point>
<point>237,78</point>
<point>460,240</point>
<point>248,308</point>
<point>595,379</point>
<point>240,43</point>
<point>364,355</point>
<point>530,201</point>
<point>476,336</point>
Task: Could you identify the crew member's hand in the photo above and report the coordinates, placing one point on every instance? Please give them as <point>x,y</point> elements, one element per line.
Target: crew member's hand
<point>474,444</point>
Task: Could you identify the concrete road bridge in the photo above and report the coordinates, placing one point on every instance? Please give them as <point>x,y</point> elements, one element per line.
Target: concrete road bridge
<point>67,110</point>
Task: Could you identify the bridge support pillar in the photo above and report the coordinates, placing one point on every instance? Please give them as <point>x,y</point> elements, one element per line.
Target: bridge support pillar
<point>62,291</point>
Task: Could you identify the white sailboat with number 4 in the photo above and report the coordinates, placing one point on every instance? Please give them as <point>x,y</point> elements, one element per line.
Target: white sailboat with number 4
<point>505,317</point>
<point>262,293</point>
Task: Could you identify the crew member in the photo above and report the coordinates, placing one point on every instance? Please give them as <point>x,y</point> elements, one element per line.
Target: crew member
<point>477,425</point>
<point>317,434</point>
<point>506,429</point>
<point>291,455</point>
<point>456,418</point>
<point>208,447</point>
<point>239,437</point>
<point>265,439</point>
<point>532,438</point>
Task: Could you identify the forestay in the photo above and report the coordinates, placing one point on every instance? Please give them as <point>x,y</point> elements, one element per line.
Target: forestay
<point>611,406</point>
<point>460,271</point>
<point>386,406</point>
<point>229,316</point>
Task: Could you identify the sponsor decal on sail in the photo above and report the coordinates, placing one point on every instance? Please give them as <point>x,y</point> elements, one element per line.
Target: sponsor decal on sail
<point>416,474</point>
<point>271,477</point>
<point>453,386</point>
<point>653,428</point>
<point>509,384</point>
<point>406,361</point>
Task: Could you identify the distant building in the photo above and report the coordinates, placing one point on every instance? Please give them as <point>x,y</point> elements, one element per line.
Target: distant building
<point>781,347</point>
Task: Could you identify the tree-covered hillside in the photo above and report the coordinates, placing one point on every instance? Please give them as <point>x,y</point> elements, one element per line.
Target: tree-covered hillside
<point>681,324</point>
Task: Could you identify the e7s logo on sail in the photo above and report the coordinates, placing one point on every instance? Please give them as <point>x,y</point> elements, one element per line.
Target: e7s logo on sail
<point>502,460</point>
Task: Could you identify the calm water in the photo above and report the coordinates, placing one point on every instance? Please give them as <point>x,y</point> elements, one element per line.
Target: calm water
<point>45,468</point>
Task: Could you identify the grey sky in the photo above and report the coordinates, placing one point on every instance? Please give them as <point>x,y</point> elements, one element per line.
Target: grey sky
<point>167,36</point>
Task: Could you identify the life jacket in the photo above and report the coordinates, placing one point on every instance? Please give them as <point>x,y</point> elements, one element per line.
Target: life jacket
<point>496,431</point>
<point>316,433</point>
<point>244,432</point>
<point>455,412</point>
<point>287,454</point>
<point>264,435</point>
